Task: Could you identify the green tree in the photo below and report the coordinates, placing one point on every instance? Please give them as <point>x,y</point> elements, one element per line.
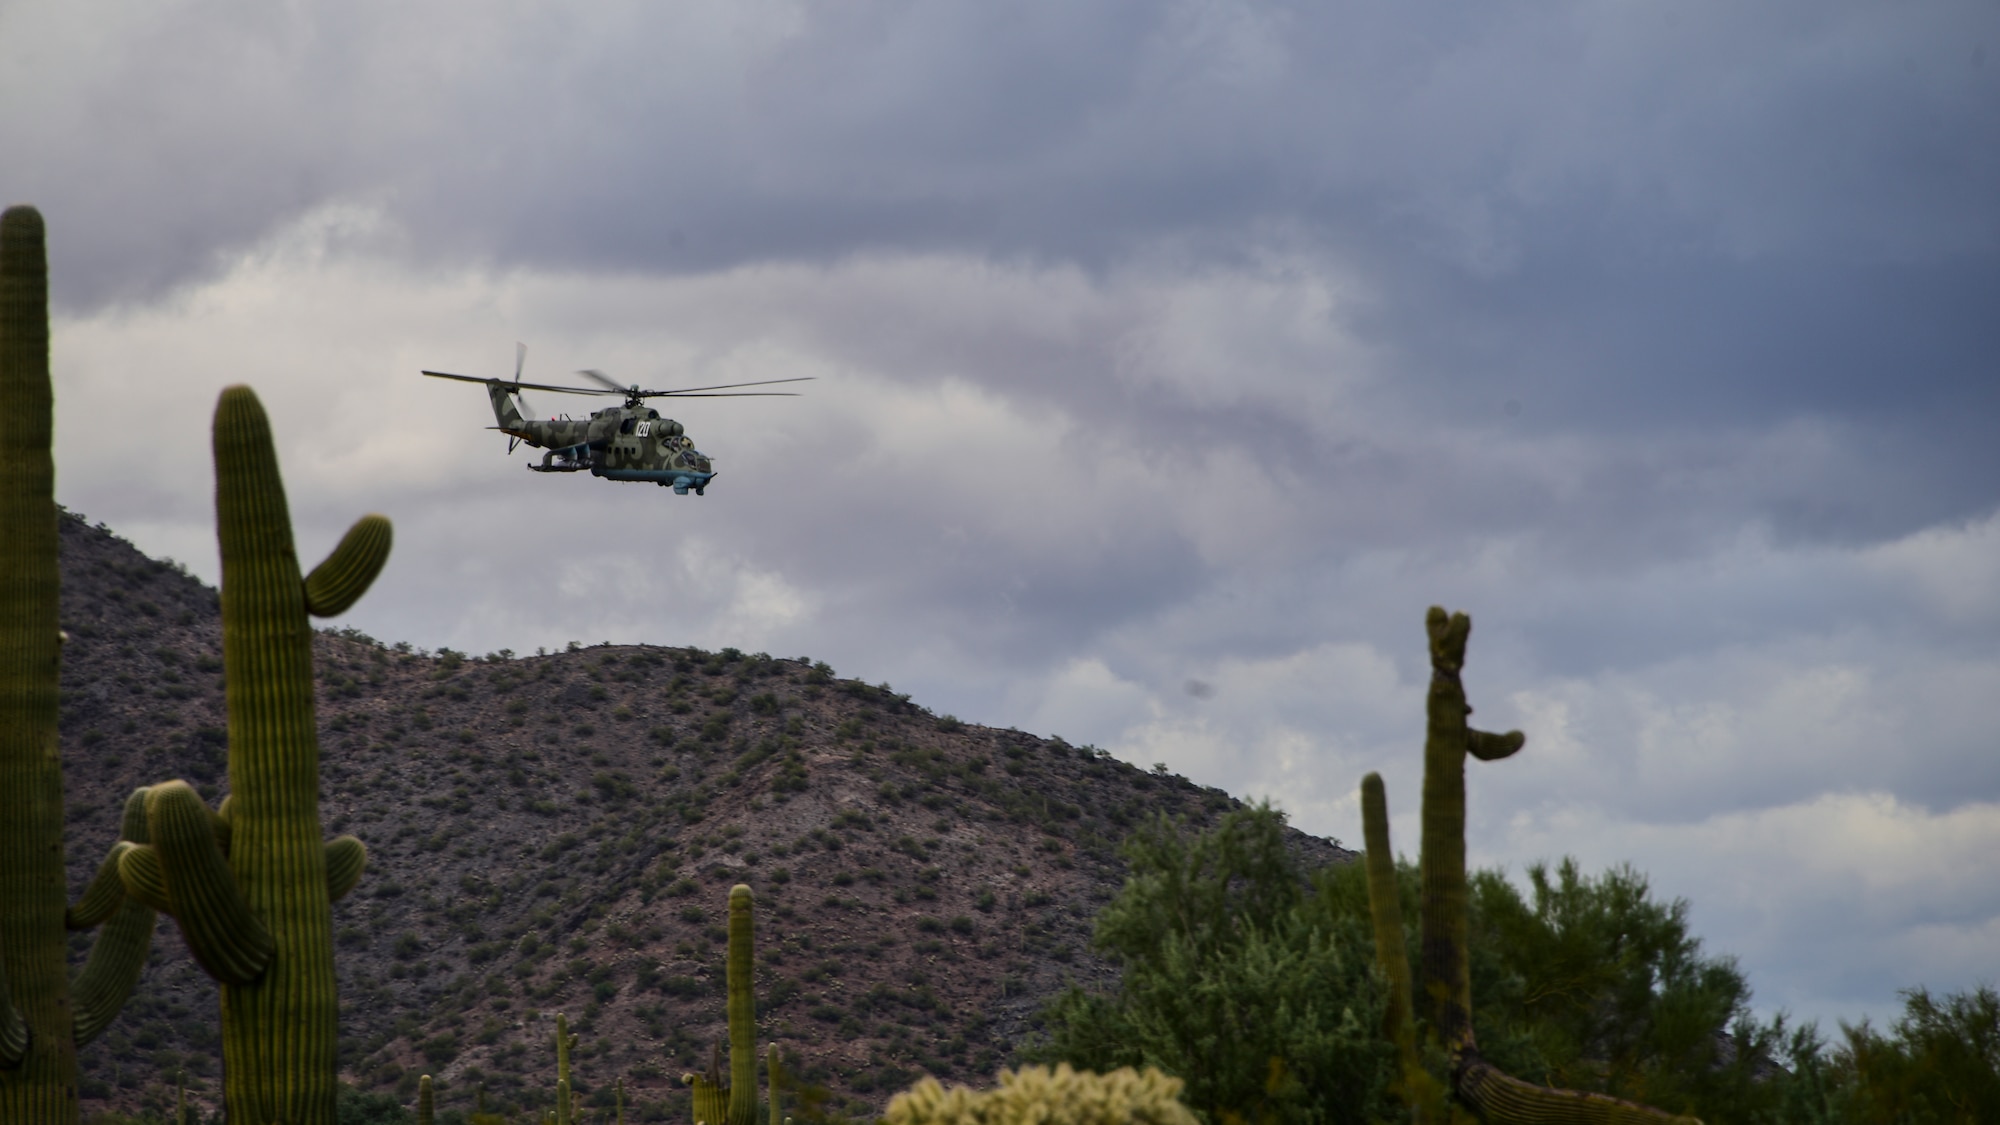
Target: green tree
<point>1234,980</point>
<point>1254,983</point>
<point>1592,984</point>
<point>1940,1062</point>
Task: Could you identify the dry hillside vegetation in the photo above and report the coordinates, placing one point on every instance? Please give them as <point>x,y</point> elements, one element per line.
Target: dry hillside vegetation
<point>559,833</point>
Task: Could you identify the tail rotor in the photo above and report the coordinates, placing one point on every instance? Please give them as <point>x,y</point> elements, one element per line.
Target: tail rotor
<point>520,360</point>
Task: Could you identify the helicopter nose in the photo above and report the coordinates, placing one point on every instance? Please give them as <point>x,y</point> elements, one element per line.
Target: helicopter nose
<point>681,486</point>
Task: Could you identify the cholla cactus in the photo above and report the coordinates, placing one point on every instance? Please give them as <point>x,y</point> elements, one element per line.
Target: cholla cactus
<point>1037,1095</point>
<point>1446,984</point>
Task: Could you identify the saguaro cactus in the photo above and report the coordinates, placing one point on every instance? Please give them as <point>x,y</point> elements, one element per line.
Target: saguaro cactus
<point>43,1016</point>
<point>737,1102</point>
<point>564,1041</point>
<point>425,1105</point>
<point>252,884</point>
<point>1445,987</point>
<point>771,1083</point>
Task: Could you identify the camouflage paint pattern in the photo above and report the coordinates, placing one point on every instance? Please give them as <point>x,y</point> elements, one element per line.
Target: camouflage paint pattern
<point>632,442</point>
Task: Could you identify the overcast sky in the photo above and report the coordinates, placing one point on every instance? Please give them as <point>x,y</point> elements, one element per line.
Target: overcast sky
<point>1171,358</point>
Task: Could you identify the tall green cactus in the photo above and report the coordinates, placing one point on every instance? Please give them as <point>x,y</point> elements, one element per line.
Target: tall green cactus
<point>425,1105</point>
<point>1417,1088</point>
<point>771,1082</point>
<point>1445,987</point>
<point>736,1102</point>
<point>252,884</point>
<point>44,1016</point>
<point>564,1041</point>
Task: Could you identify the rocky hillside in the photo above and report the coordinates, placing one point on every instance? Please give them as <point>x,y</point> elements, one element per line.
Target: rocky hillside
<point>558,833</point>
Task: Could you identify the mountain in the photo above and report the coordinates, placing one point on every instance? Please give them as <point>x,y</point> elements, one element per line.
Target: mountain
<point>558,833</point>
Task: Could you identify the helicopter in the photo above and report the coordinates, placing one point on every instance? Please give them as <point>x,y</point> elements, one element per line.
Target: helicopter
<point>631,442</point>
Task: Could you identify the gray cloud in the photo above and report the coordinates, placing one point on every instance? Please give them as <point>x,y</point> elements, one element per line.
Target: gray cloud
<point>1156,346</point>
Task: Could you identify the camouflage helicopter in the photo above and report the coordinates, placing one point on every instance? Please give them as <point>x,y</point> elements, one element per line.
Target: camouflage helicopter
<point>630,442</point>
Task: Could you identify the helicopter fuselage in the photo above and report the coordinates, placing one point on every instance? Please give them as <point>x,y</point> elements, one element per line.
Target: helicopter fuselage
<point>629,443</point>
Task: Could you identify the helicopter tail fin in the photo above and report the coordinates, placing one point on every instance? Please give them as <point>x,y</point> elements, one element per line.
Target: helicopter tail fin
<point>504,411</point>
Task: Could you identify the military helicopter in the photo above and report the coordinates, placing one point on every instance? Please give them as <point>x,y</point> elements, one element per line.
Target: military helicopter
<point>630,442</point>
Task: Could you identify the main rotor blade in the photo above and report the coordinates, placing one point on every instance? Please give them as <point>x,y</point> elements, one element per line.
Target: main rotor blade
<point>597,376</point>
<point>726,394</point>
<point>726,386</point>
<point>514,386</point>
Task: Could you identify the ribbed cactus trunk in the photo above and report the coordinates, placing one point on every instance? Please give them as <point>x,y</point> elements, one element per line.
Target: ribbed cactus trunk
<point>1441,943</point>
<point>742,1009</point>
<point>736,1102</point>
<point>1419,1091</point>
<point>1445,986</point>
<point>425,1105</point>
<point>771,1083</point>
<point>43,1015</point>
<point>279,1031</point>
<point>38,1082</point>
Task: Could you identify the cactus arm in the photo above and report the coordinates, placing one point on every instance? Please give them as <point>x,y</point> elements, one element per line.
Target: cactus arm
<point>346,858</point>
<point>339,582</point>
<point>112,970</point>
<point>222,830</point>
<point>36,1020</point>
<point>1503,1100</point>
<point>14,1034</point>
<point>225,935</point>
<point>1488,747</point>
<point>145,880</point>
<point>742,1009</point>
<point>102,897</point>
<point>119,953</point>
<point>107,888</point>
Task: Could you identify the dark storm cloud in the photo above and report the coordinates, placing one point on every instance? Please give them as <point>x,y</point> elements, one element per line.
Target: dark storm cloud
<point>1160,345</point>
<point>703,136</point>
<point>1594,219</point>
